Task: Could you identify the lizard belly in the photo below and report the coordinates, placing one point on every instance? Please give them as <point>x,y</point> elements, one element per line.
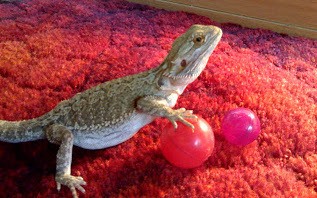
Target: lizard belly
<point>114,135</point>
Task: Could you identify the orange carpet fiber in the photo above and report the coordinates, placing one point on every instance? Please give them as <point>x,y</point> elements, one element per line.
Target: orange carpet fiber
<point>53,49</point>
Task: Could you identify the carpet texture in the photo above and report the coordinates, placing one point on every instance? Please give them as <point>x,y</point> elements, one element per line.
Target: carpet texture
<point>51,50</point>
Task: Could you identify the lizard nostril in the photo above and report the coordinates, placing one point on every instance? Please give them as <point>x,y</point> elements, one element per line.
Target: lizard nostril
<point>183,63</point>
<point>160,82</point>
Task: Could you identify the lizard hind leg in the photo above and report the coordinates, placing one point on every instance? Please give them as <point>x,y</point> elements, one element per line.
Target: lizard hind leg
<point>59,134</point>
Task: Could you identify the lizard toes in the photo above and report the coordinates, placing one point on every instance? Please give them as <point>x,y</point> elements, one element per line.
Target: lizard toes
<point>72,183</point>
<point>191,116</point>
<point>182,109</point>
<point>182,119</point>
<point>187,123</point>
<point>58,185</point>
<point>174,123</point>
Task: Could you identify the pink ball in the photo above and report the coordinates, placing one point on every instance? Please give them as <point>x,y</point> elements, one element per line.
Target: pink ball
<point>240,126</point>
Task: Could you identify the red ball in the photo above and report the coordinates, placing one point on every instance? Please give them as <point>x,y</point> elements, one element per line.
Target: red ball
<point>187,148</point>
<point>240,126</point>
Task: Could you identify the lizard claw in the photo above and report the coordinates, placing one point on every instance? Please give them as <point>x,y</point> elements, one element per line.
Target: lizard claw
<point>71,182</point>
<point>181,115</point>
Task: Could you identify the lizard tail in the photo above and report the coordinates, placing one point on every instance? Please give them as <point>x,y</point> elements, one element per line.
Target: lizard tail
<point>21,131</point>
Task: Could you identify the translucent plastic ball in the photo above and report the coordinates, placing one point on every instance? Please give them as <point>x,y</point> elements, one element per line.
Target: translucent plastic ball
<point>187,148</point>
<point>240,126</point>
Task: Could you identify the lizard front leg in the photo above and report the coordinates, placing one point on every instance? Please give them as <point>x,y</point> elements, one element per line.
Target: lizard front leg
<point>158,106</point>
<point>59,134</point>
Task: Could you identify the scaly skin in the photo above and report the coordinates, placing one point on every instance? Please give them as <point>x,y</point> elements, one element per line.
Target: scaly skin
<point>112,112</point>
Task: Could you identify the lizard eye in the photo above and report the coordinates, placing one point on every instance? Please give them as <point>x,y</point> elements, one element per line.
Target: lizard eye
<point>198,40</point>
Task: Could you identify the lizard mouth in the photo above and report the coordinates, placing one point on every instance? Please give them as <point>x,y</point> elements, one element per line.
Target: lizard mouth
<point>182,76</point>
<point>192,70</point>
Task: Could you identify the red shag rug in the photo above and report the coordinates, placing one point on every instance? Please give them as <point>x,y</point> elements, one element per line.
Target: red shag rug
<point>52,49</point>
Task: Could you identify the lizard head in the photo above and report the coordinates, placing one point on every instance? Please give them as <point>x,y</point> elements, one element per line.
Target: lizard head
<point>190,53</point>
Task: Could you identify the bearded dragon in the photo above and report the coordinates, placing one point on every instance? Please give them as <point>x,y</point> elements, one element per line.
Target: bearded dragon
<point>112,112</point>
